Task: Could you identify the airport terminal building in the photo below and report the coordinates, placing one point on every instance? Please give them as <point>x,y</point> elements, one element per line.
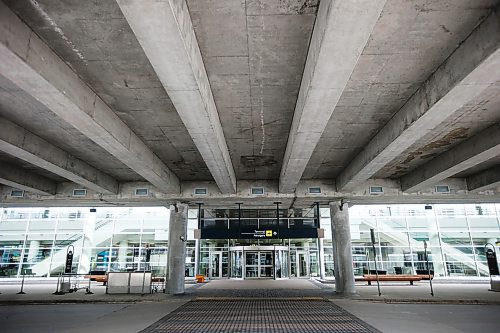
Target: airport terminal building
<point>249,243</point>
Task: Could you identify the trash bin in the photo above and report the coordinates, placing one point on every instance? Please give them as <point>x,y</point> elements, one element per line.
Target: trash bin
<point>495,283</point>
<point>398,270</point>
<point>65,287</point>
<point>200,278</point>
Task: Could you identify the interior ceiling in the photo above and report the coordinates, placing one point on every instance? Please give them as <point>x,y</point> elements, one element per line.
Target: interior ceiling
<point>254,52</point>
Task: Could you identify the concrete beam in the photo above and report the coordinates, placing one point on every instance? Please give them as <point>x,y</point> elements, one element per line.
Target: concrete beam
<point>24,180</point>
<point>340,34</point>
<point>126,197</point>
<point>30,64</point>
<point>468,72</point>
<point>16,141</point>
<point>473,151</point>
<point>485,180</point>
<point>165,32</point>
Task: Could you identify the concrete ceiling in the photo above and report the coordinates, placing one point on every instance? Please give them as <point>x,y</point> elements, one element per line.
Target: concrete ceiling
<point>104,94</point>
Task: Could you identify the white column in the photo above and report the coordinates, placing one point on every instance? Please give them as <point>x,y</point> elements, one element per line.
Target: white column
<point>122,254</point>
<point>434,244</point>
<point>33,250</point>
<point>321,259</point>
<point>88,243</point>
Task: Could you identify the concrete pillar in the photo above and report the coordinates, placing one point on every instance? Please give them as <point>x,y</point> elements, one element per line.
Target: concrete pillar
<point>88,243</point>
<point>342,252</point>
<point>177,235</point>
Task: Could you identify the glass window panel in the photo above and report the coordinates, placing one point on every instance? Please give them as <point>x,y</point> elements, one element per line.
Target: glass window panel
<point>70,225</point>
<point>42,225</point>
<point>481,238</point>
<point>130,238</point>
<point>8,270</point>
<point>420,222</point>
<point>391,223</point>
<point>37,251</point>
<point>483,222</point>
<point>63,240</point>
<point>393,238</point>
<point>13,226</point>
<point>10,255</point>
<point>415,210</point>
<point>128,223</point>
<point>12,241</point>
<point>456,238</point>
<point>458,268</point>
<point>452,222</point>
<point>481,209</point>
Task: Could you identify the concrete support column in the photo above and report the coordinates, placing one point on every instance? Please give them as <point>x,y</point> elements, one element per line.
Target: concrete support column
<point>342,252</point>
<point>88,243</point>
<point>177,234</point>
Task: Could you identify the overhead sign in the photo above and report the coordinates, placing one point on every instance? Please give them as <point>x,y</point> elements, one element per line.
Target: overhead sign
<point>253,233</point>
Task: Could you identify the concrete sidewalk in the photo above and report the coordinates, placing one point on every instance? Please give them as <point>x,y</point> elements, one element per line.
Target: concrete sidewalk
<point>41,291</point>
<point>401,308</point>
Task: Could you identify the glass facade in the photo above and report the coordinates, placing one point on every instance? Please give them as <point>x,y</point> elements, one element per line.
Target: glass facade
<point>34,241</point>
<point>455,236</point>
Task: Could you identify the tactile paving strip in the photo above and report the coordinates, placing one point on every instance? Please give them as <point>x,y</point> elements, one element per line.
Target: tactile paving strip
<point>260,315</point>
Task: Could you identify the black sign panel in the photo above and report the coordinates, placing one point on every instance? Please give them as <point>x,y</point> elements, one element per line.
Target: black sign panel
<point>492,262</point>
<point>252,233</point>
<point>69,262</point>
<point>299,233</point>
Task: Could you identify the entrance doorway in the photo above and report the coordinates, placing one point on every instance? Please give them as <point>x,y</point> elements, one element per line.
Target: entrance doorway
<point>299,261</point>
<point>259,262</point>
<point>215,265</point>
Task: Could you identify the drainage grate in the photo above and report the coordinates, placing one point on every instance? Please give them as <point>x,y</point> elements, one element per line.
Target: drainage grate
<point>260,315</point>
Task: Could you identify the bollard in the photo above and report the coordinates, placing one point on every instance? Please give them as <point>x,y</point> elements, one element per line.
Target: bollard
<point>22,285</point>
<point>372,232</point>
<point>57,292</point>
<point>428,269</point>
<point>88,292</point>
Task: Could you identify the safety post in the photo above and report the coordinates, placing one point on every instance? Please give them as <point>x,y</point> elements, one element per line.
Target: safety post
<point>57,292</point>
<point>428,268</point>
<point>22,283</point>
<point>88,292</point>
<point>372,233</point>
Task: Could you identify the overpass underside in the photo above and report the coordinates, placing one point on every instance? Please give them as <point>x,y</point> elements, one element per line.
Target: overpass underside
<point>300,101</point>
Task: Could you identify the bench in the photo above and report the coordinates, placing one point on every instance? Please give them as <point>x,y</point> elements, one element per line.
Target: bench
<point>97,278</point>
<point>396,278</point>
